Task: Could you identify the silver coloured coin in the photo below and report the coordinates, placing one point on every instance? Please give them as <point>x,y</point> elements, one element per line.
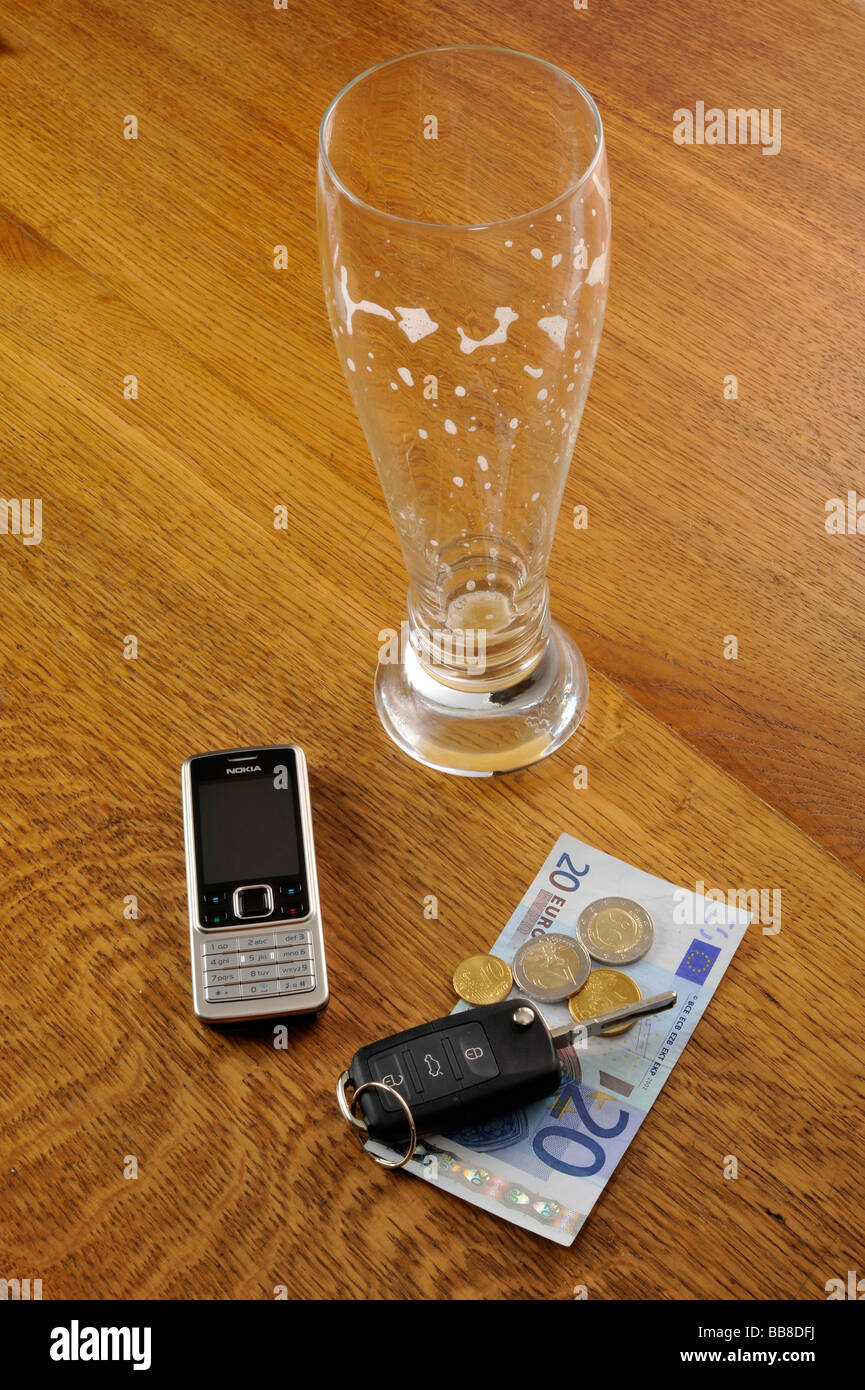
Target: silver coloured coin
<point>615,931</point>
<point>551,968</point>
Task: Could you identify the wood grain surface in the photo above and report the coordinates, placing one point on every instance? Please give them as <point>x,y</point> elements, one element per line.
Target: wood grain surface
<point>154,258</point>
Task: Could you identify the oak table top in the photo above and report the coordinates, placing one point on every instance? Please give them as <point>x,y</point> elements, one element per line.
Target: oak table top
<point>707,509</point>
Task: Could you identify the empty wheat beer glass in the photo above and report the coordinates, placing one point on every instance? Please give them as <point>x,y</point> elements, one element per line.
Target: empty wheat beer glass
<point>464,229</point>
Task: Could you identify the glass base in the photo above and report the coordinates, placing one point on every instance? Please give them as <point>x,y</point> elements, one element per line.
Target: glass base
<point>478,734</point>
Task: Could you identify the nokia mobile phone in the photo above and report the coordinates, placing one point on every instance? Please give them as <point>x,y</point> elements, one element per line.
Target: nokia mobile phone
<point>254,917</point>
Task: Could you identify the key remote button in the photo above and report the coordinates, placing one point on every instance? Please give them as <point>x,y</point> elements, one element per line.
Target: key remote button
<point>286,953</point>
<point>258,972</point>
<point>226,945</point>
<point>431,1063</point>
<point>264,942</point>
<point>296,986</point>
<point>221,977</point>
<point>291,969</point>
<point>217,993</point>
<point>389,1069</point>
<point>292,938</point>
<point>474,1054</point>
<point>257,957</point>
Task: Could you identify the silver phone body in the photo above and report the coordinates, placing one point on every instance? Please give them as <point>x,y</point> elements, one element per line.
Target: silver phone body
<point>248,939</point>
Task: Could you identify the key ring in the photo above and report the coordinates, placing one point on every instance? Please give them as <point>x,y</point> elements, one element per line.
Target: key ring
<point>347,1109</point>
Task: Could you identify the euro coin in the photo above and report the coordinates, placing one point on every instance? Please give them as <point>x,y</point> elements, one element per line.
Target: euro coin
<point>604,990</point>
<point>551,968</point>
<point>615,931</point>
<point>483,980</point>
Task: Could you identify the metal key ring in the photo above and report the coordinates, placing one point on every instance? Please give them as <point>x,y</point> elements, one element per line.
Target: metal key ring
<point>348,1109</point>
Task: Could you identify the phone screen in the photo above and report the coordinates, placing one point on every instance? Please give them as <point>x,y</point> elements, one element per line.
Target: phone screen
<point>249,830</point>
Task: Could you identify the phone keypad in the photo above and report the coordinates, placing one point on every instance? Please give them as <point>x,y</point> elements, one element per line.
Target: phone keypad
<point>266,963</point>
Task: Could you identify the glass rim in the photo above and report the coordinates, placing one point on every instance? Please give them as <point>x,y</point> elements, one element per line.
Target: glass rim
<point>463,226</point>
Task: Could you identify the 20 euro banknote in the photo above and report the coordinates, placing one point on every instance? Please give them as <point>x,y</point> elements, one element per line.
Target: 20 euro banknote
<point>544,1167</point>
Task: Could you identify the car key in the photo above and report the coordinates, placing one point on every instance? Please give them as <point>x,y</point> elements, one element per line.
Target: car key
<point>469,1066</point>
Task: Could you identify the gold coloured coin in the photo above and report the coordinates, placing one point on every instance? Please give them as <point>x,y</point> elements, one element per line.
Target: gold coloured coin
<point>551,968</point>
<point>604,990</point>
<point>615,931</point>
<point>483,980</point>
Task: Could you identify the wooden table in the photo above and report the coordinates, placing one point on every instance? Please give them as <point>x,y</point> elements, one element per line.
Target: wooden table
<point>153,258</point>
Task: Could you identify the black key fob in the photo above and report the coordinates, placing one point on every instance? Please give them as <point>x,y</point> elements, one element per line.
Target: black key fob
<point>457,1071</point>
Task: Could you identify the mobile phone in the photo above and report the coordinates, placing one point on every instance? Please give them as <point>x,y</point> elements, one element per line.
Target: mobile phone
<point>255,935</point>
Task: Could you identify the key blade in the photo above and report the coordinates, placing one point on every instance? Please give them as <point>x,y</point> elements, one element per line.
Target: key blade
<point>591,1027</point>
